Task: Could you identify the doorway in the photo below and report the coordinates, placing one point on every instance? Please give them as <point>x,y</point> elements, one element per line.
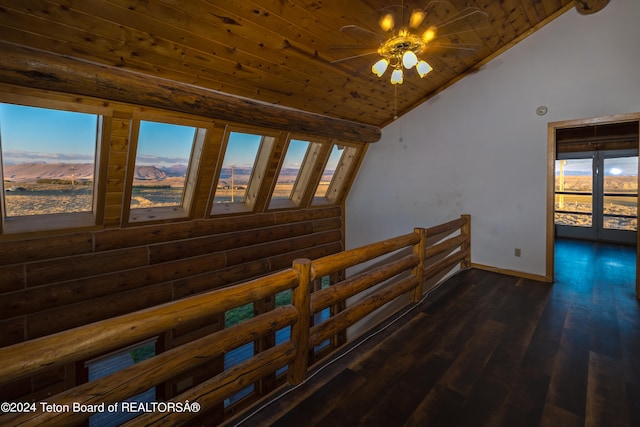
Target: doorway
<point>613,137</point>
<point>596,195</point>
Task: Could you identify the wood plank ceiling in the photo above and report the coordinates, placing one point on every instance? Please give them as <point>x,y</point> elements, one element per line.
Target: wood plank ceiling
<point>276,51</point>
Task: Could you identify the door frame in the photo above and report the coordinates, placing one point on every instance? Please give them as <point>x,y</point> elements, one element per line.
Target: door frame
<point>551,167</point>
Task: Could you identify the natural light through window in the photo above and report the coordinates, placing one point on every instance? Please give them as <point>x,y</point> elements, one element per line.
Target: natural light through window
<point>329,171</point>
<point>237,166</point>
<point>574,192</point>
<point>162,163</point>
<point>290,169</point>
<point>48,160</point>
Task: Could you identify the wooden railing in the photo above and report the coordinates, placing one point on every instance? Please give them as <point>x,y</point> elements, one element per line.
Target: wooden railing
<point>412,261</point>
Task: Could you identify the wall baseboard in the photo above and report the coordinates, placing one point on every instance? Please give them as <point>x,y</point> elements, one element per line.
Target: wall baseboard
<point>512,273</point>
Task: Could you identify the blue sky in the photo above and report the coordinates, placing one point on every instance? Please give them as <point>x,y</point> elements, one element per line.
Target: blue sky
<point>624,166</point>
<point>31,134</point>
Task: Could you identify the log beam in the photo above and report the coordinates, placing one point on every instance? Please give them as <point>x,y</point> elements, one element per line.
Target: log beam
<point>34,68</point>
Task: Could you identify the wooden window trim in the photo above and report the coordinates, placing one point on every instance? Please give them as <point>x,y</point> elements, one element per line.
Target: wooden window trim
<point>309,174</point>
<point>259,175</point>
<point>18,225</point>
<point>136,216</point>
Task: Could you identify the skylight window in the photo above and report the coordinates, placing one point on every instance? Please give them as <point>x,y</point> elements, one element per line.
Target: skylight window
<point>162,180</point>
<point>329,170</point>
<point>247,156</point>
<point>48,160</point>
<point>237,167</point>
<point>290,170</point>
<point>162,162</point>
<point>336,174</point>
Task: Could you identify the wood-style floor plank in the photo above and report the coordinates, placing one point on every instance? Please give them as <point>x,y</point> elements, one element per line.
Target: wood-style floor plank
<point>491,350</point>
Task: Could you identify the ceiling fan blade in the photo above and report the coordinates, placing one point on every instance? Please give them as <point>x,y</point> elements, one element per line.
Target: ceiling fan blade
<point>455,33</point>
<point>362,33</point>
<point>463,21</point>
<point>442,49</point>
<point>335,61</point>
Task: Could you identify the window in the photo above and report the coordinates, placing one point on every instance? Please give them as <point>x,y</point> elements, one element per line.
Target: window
<point>113,362</point>
<point>596,195</point>
<point>164,171</point>
<point>296,153</point>
<point>245,162</point>
<point>284,334</point>
<point>239,354</point>
<point>329,171</point>
<point>48,166</point>
<point>574,192</point>
<point>336,174</point>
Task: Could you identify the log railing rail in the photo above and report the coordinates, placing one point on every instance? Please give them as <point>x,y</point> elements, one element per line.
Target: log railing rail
<point>412,260</point>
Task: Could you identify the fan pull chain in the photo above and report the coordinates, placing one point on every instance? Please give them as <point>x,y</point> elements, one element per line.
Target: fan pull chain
<point>395,102</point>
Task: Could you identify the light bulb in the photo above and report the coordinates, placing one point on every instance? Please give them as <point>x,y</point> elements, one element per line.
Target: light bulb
<point>380,67</point>
<point>387,22</point>
<point>417,16</point>
<point>409,59</point>
<point>423,68</point>
<point>396,76</point>
<point>429,35</point>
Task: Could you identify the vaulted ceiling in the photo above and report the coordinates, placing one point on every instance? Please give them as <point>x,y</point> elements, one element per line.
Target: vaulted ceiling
<point>285,52</point>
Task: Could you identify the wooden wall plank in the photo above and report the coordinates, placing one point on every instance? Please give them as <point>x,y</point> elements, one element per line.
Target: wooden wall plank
<point>44,272</point>
<point>35,248</point>
<point>12,278</point>
<point>12,331</point>
<point>220,278</point>
<point>220,242</point>
<point>51,321</point>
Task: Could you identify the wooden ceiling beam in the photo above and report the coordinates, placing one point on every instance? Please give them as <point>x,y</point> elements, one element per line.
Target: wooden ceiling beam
<point>29,67</point>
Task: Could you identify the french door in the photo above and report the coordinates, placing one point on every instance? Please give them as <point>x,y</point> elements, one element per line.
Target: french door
<point>596,195</point>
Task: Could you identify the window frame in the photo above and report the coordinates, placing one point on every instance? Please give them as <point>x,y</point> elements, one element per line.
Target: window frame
<point>310,171</point>
<point>69,220</point>
<point>136,216</point>
<point>258,178</point>
<point>343,175</point>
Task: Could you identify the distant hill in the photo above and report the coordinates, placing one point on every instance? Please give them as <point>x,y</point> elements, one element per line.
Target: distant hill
<point>83,171</point>
<point>33,171</point>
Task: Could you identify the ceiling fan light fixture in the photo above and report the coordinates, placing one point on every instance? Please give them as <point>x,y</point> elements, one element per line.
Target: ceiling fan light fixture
<point>396,76</point>
<point>387,23</point>
<point>409,59</point>
<point>423,68</point>
<point>380,67</point>
<point>417,16</point>
<point>429,34</point>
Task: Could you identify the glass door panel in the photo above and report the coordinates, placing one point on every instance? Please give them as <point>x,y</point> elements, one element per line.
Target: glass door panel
<point>620,198</point>
<point>574,192</point>
<point>596,195</point>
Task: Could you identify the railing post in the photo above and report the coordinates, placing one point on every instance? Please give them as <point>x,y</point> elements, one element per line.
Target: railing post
<point>466,231</point>
<point>419,249</point>
<point>301,299</point>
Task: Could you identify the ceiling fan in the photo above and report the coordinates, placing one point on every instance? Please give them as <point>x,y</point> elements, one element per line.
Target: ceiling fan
<point>403,37</point>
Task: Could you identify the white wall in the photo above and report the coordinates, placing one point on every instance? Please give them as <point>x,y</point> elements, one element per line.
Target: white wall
<point>480,148</point>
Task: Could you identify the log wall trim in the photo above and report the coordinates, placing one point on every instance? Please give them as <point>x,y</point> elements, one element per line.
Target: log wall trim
<point>38,69</point>
<point>56,282</point>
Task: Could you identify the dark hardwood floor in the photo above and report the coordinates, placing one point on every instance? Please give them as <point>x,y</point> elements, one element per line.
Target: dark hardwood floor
<point>491,350</point>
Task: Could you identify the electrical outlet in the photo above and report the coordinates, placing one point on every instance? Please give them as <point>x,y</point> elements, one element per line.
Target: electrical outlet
<point>518,252</point>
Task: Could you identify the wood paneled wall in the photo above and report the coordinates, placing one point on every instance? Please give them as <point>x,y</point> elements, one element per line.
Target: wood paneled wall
<point>49,284</point>
<point>69,276</point>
